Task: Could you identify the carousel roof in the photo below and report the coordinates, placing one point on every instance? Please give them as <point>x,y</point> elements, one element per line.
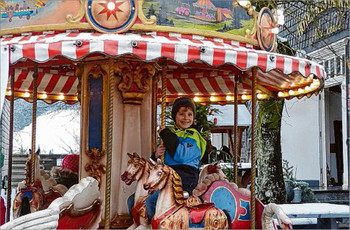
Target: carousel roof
<point>197,65</point>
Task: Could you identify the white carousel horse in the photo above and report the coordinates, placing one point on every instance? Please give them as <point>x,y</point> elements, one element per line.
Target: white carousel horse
<point>79,208</point>
<point>138,170</point>
<point>273,209</point>
<point>171,211</point>
<point>32,197</point>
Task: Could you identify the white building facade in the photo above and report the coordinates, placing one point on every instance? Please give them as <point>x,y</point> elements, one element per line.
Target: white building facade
<point>315,131</point>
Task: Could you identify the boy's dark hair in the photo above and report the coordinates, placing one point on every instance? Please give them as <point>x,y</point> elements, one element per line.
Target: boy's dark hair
<point>182,102</point>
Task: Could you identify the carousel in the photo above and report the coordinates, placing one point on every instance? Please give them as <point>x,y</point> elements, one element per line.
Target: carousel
<point>119,59</point>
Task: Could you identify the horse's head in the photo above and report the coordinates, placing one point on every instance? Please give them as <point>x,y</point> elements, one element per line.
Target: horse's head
<point>158,177</point>
<point>28,200</point>
<point>134,169</point>
<point>213,168</point>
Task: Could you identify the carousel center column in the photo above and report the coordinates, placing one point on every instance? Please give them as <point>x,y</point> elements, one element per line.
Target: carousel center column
<point>94,103</point>
<point>132,129</point>
<point>131,126</point>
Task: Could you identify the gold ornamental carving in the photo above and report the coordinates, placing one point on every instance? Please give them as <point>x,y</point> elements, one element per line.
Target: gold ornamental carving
<point>151,21</point>
<point>76,19</point>
<point>97,71</point>
<point>94,167</point>
<point>135,80</point>
<point>119,221</point>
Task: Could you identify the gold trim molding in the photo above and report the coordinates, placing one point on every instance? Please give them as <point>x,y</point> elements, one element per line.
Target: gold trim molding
<point>135,80</point>
<point>119,221</point>
<point>71,19</point>
<point>151,21</point>
<point>94,167</point>
<point>97,71</point>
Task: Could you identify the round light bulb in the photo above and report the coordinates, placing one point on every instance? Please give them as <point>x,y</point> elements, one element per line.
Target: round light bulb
<point>212,98</point>
<point>229,98</point>
<point>196,99</point>
<point>275,30</point>
<point>300,90</point>
<point>243,3</point>
<point>26,94</point>
<point>259,96</point>
<point>280,94</point>
<point>61,97</point>
<point>313,85</point>
<point>307,88</point>
<point>44,96</point>
<point>9,93</point>
<point>279,12</point>
<point>111,6</point>
<point>291,92</point>
<point>244,97</point>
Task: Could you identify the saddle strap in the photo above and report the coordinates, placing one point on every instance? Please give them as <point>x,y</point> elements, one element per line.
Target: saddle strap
<point>139,210</point>
<point>156,222</point>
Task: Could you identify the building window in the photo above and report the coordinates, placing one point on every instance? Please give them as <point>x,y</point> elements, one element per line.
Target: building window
<point>343,64</point>
<point>338,63</point>
<point>326,66</point>
<point>331,67</point>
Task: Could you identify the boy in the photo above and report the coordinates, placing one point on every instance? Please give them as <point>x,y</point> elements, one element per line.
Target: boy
<point>182,147</point>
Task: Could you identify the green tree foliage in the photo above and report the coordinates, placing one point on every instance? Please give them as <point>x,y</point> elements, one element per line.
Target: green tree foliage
<point>201,122</point>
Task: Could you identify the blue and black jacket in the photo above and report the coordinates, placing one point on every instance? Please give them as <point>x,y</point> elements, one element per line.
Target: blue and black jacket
<point>184,149</point>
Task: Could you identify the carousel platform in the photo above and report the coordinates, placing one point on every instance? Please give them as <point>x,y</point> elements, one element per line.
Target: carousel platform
<point>318,215</point>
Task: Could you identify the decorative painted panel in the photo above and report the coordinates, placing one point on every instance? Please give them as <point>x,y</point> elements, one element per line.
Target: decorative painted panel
<point>223,18</point>
<point>214,15</point>
<point>95,112</point>
<point>19,13</point>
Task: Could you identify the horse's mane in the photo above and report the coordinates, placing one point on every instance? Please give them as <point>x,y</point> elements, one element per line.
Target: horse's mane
<point>64,176</point>
<point>177,186</point>
<point>148,166</point>
<point>28,166</point>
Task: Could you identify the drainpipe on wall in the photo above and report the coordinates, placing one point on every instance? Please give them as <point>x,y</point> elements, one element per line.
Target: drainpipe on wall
<point>347,84</point>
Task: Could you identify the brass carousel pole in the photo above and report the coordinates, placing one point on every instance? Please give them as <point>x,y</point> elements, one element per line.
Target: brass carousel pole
<point>235,123</point>
<point>109,144</point>
<point>34,96</point>
<point>162,116</point>
<point>162,119</point>
<point>253,147</point>
<point>9,171</point>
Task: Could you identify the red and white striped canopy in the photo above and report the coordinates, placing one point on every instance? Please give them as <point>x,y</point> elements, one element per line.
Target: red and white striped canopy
<point>196,65</point>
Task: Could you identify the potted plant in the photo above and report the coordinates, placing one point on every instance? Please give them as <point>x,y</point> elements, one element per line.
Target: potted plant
<point>297,191</point>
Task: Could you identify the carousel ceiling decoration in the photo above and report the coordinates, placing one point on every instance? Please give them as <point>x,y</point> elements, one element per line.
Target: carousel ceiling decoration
<point>203,62</point>
<point>196,65</point>
<point>111,16</point>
